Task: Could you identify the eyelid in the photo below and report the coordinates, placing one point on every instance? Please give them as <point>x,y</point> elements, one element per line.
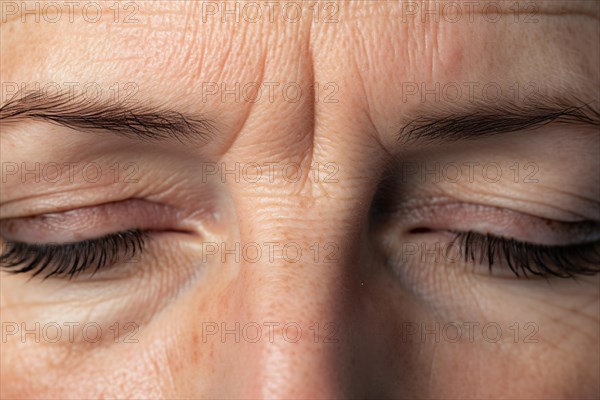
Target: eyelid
<point>92,222</point>
<point>497,221</point>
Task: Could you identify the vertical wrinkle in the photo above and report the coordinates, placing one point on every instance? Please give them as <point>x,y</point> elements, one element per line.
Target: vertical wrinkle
<point>313,105</point>
<point>365,93</point>
<point>194,26</point>
<point>430,383</point>
<point>433,47</point>
<point>259,83</point>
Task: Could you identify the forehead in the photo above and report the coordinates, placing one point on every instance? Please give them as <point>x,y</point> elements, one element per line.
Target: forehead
<point>377,45</point>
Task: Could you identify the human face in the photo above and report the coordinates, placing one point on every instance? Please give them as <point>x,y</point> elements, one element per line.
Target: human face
<point>300,199</point>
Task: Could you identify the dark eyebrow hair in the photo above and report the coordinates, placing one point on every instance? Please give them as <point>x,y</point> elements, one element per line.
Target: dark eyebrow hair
<point>456,123</point>
<point>151,123</point>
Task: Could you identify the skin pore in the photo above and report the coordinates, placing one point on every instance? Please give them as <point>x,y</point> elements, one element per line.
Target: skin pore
<point>395,141</point>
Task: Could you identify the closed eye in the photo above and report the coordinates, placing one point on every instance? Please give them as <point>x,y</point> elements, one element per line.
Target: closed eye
<point>68,260</point>
<point>522,258</point>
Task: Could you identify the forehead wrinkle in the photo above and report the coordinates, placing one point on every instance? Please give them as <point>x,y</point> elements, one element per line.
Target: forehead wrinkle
<point>213,50</point>
<point>180,51</point>
<point>190,35</point>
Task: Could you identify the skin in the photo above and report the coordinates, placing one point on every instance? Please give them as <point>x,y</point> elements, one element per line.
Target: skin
<point>367,298</point>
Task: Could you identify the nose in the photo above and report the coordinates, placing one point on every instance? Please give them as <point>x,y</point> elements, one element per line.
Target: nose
<point>289,307</point>
<point>282,326</point>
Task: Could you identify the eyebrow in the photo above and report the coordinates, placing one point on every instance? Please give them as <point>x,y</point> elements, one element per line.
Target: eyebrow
<point>455,123</point>
<point>149,123</point>
<point>444,125</point>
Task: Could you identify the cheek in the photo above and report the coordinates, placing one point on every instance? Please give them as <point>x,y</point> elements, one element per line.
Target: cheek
<point>53,371</point>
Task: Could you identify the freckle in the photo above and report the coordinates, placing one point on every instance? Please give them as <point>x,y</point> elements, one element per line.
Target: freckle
<point>195,339</point>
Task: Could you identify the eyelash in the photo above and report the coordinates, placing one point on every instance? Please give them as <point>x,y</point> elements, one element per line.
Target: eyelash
<point>71,259</point>
<point>523,258</point>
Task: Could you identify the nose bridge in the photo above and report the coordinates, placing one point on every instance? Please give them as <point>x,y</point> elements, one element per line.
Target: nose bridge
<point>297,282</point>
<point>297,296</point>
<point>305,254</point>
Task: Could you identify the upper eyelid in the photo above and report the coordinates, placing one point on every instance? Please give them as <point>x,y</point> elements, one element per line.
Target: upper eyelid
<point>448,214</point>
<point>89,222</point>
<point>560,203</point>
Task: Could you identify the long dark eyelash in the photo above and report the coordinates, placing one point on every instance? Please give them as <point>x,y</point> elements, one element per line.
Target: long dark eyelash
<point>522,258</point>
<point>71,259</point>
